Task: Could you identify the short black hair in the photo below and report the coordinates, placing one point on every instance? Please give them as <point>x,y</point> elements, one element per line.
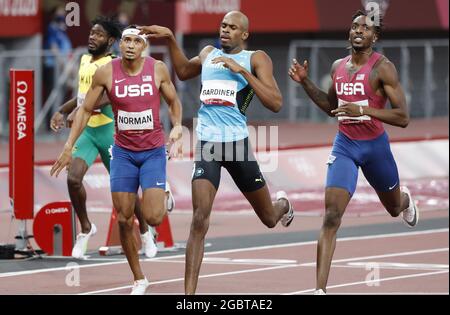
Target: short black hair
<point>111,25</point>
<point>378,28</point>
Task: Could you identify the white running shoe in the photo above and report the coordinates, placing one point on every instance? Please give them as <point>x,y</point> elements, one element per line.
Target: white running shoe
<point>170,199</point>
<point>80,248</point>
<point>148,244</point>
<point>319,292</point>
<point>410,214</point>
<point>287,218</point>
<point>140,286</point>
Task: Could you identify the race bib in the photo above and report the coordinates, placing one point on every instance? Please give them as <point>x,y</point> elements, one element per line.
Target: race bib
<point>135,120</point>
<point>219,92</point>
<point>80,101</point>
<point>350,120</point>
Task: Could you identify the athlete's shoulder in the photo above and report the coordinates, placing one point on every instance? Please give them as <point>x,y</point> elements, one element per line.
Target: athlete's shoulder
<point>386,70</point>
<point>103,72</point>
<point>206,51</point>
<point>85,59</point>
<point>383,62</point>
<point>335,65</point>
<point>260,56</point>
<point>160,65</point>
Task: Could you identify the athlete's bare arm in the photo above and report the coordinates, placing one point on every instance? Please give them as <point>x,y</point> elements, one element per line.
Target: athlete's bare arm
<point>68,106</point>
<point>389,84</point>
<point>186,69</point>
<point>169,94</point>
<point>263,82</point>
<point>57,121</point>
<point>326,101</point>
<point>69,109</point>
<point>93,96</point>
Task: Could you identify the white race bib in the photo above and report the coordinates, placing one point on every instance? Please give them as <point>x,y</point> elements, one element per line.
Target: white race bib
<point>219,92</point>
<point>135,120</point>
<point>354,119</point>
<point>80,101</point>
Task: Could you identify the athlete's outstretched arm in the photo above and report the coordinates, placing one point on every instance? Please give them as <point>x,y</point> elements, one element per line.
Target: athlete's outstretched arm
<point>398,115</point>
<point>326,101</point>
<point>169,93</point>
<point>186,69</point>
<point>263,82</point>
<point>83,114</point>
<point>57,121</point>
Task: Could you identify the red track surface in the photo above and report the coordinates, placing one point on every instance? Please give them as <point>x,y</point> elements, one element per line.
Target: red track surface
<point>408,263</point>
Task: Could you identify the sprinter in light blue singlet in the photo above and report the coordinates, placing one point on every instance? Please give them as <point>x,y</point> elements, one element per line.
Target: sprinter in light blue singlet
<point>225,96</point>
<point>230,77</point>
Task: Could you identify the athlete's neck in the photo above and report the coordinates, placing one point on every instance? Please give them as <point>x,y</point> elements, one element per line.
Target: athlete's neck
<point>133,67</point>
<point>360,57</point>
<point>97,57</point>
<point>232,51</point>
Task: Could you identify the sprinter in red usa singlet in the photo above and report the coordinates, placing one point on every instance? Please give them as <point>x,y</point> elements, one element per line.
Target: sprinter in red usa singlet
<point>138,158</point>
<point>362,84</point>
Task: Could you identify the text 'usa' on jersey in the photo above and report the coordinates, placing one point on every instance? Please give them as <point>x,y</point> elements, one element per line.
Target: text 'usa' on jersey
<point>136,104</point>
<point>356,89</point>
<point>225,97</point>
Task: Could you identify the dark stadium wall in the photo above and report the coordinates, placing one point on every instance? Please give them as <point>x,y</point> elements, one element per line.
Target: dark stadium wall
<point>141,12</point>
<point>288,16</point>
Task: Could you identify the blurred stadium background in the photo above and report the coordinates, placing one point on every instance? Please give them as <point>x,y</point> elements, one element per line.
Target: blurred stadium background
<point>415,39</point>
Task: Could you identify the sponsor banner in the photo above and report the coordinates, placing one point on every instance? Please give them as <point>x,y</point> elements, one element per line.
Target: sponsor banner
<point>20,18</point>
<point>21,163</point>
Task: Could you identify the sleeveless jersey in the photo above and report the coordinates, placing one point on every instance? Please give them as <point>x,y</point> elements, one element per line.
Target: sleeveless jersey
<point>356,89</point>
<point>100,117</point>
<point>225,97</point>
<point>136,103</point>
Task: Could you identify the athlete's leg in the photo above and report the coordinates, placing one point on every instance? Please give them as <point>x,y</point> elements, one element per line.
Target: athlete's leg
<point>342,177</point>
<point>85,153</point>
<point>105,138</point>
<point>381,172</point>
<point>203,194</point>
<point>153,207</point>
<point>244,169</point>
<point>268,212</point>
<point>336,201</point>
<point>143,226</point>
<point>394,201</point>
<point>251,183</point>
<point>77,192</point>
<point>124,179</point>
<point>124,203</point>
<point>205,182</point>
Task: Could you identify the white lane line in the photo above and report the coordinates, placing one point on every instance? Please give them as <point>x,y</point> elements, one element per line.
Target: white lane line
<point>345,239</point>
<point>417,252</point>
<point>268,268</point>
<point>396,265</point>
<point>182,279</point>
<point>372,281</point>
